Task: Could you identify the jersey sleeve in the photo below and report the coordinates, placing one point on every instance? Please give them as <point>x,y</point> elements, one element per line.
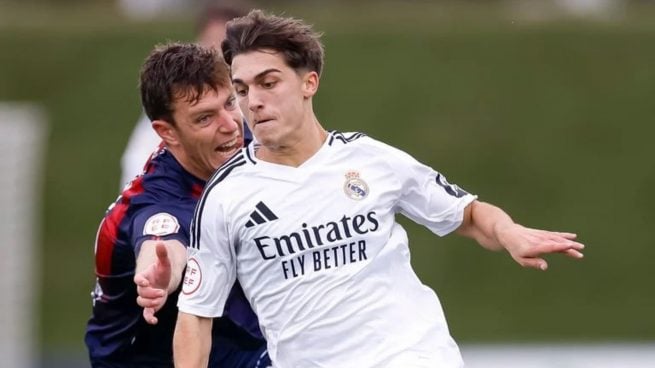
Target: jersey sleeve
<point>160,222</point>
<point>425,196</point>
<point>211,265</point>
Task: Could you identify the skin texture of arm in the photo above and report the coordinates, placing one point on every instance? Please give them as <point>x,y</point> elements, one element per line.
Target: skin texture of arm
<point>159,269</point>
<point>494,229</point>
<point>192,341</point>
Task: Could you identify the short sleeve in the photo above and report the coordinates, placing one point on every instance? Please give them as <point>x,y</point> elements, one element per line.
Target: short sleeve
<point>426,197</point>
<point>160,222</point>
<point>211,265</point>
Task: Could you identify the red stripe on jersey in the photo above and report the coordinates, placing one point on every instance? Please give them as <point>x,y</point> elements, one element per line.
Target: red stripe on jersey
<point>148,167</point>
<point>108,232</point>
<point>196,191</point>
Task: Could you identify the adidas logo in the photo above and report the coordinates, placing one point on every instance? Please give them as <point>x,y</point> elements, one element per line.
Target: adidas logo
<point>261,215</point>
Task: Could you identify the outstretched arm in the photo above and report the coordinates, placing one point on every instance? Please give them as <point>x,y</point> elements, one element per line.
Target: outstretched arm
<point>159,269</point>
<point>494,229</point>
<point>192,341</point>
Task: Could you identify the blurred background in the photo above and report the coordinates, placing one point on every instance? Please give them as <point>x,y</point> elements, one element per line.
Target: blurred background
<point>540,107</point>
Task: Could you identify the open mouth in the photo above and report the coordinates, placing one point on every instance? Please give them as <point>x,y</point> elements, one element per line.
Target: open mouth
<point>230,146</point>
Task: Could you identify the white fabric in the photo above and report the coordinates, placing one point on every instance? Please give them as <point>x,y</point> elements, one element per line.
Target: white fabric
<point>350,299</point>
<point>142,143</point>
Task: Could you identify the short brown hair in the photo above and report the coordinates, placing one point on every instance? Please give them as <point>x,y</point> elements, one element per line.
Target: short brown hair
<point>179,70</point>
<point>299,44</point>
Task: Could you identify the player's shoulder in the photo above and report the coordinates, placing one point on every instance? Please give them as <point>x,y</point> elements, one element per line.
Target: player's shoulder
<point>165,181</point>
<point>359,140</point>
<point>336,138</point>
<point>231,170</point>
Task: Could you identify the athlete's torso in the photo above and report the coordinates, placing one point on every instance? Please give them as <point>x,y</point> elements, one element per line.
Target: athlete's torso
<point>156,205</point>
<point>323,261</point>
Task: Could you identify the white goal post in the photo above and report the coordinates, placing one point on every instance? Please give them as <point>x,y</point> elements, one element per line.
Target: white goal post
<point>22,151</point>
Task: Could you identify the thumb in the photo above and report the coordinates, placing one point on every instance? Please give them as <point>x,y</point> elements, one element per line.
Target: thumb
<point>537,263</point>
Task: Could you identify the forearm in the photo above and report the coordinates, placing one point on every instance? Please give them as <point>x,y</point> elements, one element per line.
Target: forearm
<point>484,223</point>
<point>192,341</point>
<point>494,229</point>
<point>178,262</point>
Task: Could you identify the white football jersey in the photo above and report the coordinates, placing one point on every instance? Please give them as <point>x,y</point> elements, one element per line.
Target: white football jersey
<point>321,258</point>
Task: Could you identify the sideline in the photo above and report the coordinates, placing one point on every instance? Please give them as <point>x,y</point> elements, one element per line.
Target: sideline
<point>603,355</point>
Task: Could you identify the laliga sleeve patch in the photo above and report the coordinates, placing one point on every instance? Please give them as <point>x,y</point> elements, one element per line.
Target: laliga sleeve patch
<point>161,224</point>
<point>192,277</point>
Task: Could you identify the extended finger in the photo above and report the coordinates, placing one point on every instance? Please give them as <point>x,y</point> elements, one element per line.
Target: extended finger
<point>559,237</point>
<point>574,245</point>
<point>569,236</point>
<point>570,243</point>
<point>565,234</point>
<point>573,253</point>
<point>555,247</point>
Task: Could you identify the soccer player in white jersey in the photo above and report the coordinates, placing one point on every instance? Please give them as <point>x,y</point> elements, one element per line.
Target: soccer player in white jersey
<point>309,228</point>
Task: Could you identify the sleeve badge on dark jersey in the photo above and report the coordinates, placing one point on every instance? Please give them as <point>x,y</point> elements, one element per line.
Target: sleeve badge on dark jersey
<point>161,224</point>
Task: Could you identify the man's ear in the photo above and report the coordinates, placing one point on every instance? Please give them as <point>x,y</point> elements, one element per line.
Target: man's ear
<point>166,132</point>
<point>310,84</point>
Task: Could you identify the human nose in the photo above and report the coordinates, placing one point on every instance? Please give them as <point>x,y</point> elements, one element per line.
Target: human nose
<point>229,122</point>
<point>254,100</point>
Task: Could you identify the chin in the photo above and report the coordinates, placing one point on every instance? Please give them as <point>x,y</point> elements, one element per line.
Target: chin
<point>265,141</point>
<point>264,136</point>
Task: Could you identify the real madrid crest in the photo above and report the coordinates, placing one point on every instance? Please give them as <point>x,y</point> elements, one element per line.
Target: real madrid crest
<point>355,188</point>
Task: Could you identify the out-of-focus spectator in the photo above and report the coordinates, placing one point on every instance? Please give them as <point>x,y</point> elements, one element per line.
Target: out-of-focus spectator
<point>149,9</point>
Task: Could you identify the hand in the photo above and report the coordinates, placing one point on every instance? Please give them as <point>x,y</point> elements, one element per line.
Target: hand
<point>527,245</point>
<point>152,284</point>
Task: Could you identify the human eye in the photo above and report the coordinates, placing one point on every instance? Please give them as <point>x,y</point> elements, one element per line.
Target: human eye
<point>231,103</point>
<point>203,119</point>
<point>268,84</point>
<point>241,91</point>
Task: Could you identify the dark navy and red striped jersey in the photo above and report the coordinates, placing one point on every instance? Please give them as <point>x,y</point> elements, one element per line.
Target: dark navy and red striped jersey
<point>117,335</point>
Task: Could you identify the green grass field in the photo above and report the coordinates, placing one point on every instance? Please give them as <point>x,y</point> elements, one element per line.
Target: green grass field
<point>550,120</point>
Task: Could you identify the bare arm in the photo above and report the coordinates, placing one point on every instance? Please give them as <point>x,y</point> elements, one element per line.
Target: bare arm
<point>192,341</point>
<point>159,269</point>
<point>494,229</point>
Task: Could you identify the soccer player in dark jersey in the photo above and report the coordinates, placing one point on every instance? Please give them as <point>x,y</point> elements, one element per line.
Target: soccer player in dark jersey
<point>187,94</point>
<point>210,30</point>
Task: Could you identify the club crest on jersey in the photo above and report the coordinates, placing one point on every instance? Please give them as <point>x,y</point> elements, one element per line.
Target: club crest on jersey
<point>355,188</point>
<point>161,224</point>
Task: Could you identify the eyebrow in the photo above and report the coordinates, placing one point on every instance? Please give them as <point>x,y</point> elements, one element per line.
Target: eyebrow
<point>204,111</point>
<point>258,76</point>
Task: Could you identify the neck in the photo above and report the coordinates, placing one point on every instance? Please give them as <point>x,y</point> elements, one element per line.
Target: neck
<point>307,143</point>
<point>187,164</point>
